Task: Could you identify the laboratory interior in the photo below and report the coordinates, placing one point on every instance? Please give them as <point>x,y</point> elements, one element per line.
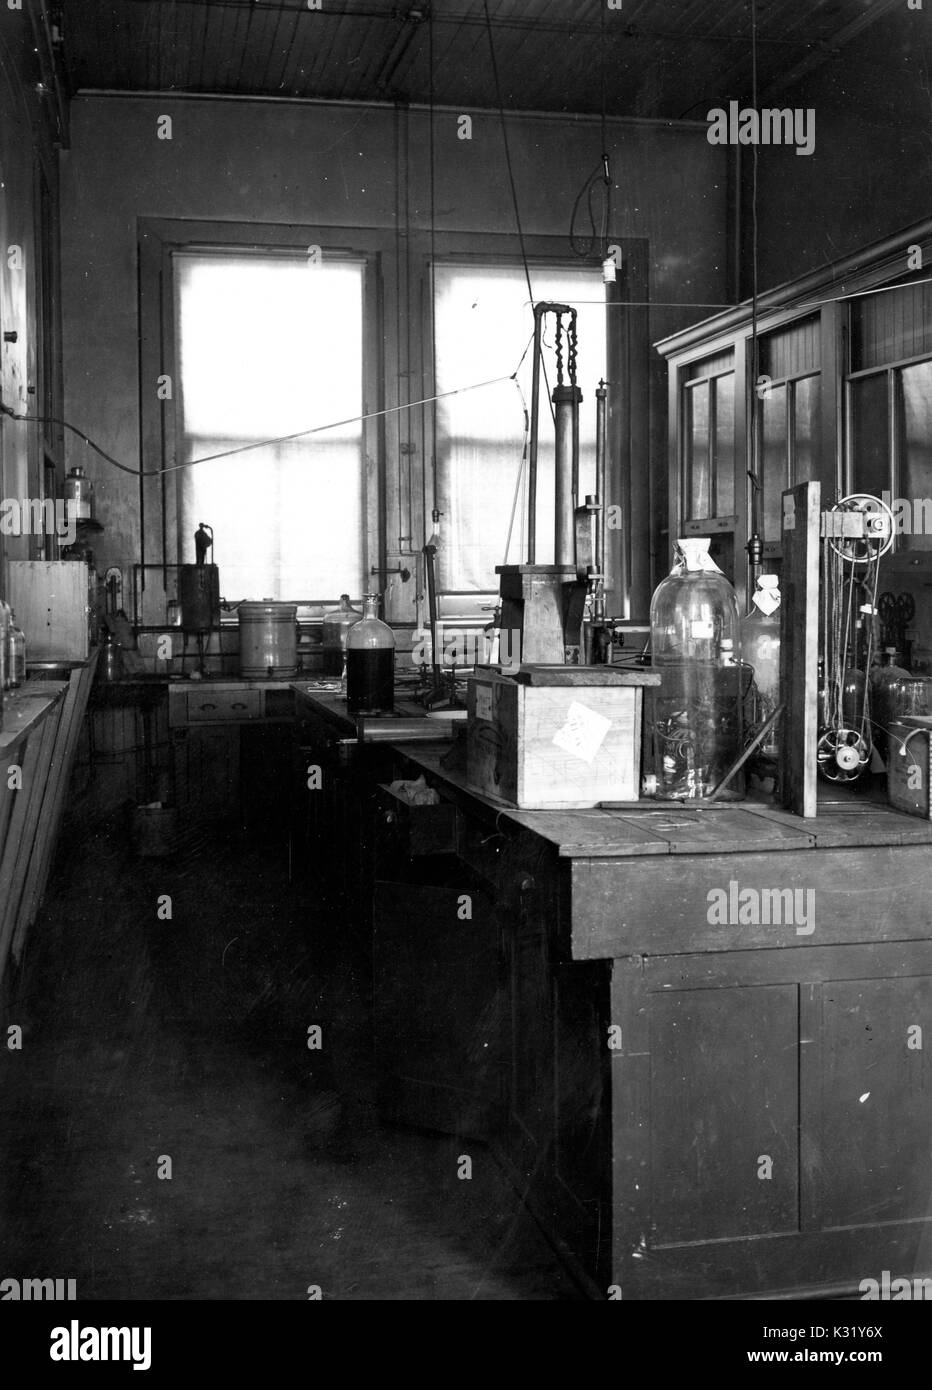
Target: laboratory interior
<point>466,746</point>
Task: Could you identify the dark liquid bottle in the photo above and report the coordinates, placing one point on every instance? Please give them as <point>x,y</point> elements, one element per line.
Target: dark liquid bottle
<point>335,626</point>
<point>370,663</point>
<point>370,680</point>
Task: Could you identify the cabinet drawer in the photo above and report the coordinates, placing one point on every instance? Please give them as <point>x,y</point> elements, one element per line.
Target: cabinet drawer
<point>414,830</point>
<point>212,706</point>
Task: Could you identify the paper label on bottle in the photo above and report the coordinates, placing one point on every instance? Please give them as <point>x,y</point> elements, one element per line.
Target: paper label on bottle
<point>701,629</point>
<point>767,600</point>
<point>484,702</point>
<point>583,733</point>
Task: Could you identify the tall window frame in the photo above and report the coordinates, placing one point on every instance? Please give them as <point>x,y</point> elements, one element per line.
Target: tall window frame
<point>161,544</point>
<point>632,482</point>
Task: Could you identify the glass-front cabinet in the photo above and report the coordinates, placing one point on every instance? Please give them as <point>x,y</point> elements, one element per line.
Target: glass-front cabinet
<point>829,380</point>
<point>888,397</point>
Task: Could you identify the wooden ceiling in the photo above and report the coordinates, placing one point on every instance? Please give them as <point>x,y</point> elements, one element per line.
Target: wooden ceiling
<point>672,59</point>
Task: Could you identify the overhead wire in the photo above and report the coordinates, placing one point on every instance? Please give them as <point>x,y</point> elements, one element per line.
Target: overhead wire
<point>493,58</point>
<point>257,443</point>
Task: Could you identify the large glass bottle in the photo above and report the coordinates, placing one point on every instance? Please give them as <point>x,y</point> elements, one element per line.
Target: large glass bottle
<point>336,625</point>
<point>760,651</point>
<point>370,662</point>
<point>695,645</point>
<point>16,654</point>
<point>882,680</point>
<point>4,628</point>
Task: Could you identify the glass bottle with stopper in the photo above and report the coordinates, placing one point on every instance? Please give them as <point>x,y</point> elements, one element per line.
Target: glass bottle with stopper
<point>370,663</point>
<point>696,647</point>
<point>16,654</point>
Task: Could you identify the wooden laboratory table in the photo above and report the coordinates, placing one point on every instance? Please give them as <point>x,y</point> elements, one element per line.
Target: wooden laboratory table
<point>702,1096</point>
<point>41,724</point>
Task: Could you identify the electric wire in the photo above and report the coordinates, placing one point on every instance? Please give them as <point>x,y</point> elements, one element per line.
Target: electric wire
<point>601,177</point>
<point>258,443</point>
<point>511,181</point>
<point>756,403</point>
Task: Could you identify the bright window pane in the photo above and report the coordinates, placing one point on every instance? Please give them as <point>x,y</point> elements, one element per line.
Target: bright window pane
<point>268,346</point>
<point>725,445</point>
<point>915,481</point>
<point>774,460</point>
<point>698,469</point>
<point>483,321</point>
<point>807,428</point>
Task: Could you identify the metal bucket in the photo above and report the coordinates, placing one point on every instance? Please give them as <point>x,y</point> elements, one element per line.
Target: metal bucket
<point>268,640</point>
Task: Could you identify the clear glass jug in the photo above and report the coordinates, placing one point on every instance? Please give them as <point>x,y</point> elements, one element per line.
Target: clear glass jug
<point>696,720</point>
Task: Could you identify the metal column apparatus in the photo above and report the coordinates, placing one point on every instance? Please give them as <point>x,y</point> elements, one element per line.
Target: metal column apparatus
<point>543,605</point>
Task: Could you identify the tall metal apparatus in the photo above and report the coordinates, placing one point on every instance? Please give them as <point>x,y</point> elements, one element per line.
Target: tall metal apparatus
<point>542,606</point>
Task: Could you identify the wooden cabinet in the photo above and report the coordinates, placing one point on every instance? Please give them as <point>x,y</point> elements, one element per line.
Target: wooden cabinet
<point>788,1110</point>
<point>437,1005</point>
<point>691,1108</point>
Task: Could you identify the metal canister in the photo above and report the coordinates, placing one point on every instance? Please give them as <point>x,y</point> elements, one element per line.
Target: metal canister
<point>199,597</point>
<point>268,639</point>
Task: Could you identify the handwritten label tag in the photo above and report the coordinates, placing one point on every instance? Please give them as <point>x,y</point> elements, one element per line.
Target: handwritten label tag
<point>583,733</point>
<point>483,702</point>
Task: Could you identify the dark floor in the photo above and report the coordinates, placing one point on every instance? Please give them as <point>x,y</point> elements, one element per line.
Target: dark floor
<point>187,1039</point>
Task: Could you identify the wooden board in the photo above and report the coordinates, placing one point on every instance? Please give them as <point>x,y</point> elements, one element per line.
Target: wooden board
<point>23,826</point>
<point>799,647</point>
<point>586,675</point>
<point>627,907</point>
<point>54,799</point>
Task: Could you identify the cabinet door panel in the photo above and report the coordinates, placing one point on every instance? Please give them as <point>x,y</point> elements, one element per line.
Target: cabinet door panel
<point>724,1099</point>
<point>876,1111</point>
<point>437,1008</point>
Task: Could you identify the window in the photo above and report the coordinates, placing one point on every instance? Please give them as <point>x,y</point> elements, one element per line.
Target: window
<point>267,346</point>
<point>482,323</point>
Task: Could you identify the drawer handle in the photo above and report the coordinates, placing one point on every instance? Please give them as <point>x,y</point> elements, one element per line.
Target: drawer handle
<point>239,704</point>
<point>207,706</point>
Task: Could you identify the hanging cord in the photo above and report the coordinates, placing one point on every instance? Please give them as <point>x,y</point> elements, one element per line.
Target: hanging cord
<point>756,401</point>
<point>599,179</point>
<point>256,444</point>
<point>433,237</point>
<point>511,181</point>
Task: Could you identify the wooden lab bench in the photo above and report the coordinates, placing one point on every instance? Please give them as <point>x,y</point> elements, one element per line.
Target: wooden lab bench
<point>696,1101</point>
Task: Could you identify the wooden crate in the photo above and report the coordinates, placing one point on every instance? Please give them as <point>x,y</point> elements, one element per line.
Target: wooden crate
<point>50,599</point>
<point>556,738</point>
